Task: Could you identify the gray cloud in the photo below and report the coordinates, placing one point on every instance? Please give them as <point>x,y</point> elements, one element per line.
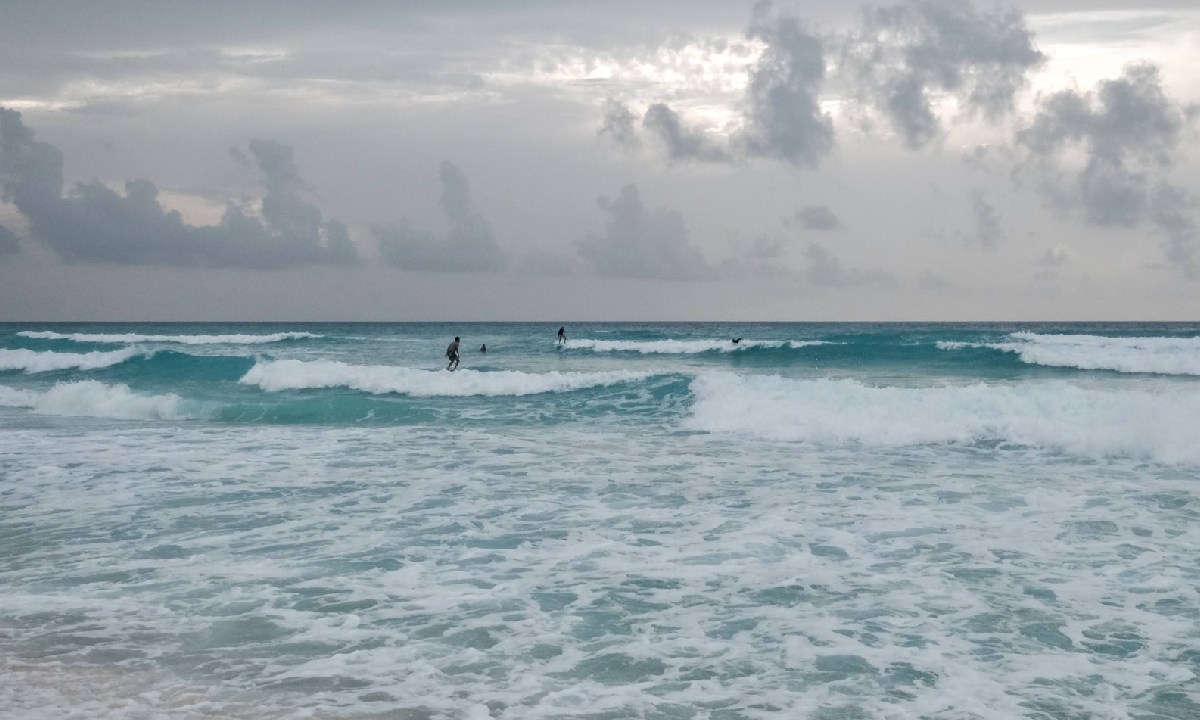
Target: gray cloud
<point>907,52</point>
<point>642,243</point>
<point>1173,212</point>
<point>818,217</point>
<point>1127,119</point>
<point>824,268</point>
<point>469,245</point>
<point>96,224</point>
<point>9,243</point>
<point>1128,130</point>
<point>619,124</point>
<point>681,143</point>
<point>988,230</point>
<point>783,117</point>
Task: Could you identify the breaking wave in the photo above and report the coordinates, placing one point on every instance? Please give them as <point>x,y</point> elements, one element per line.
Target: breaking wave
<point>382,379</point>
<point>1094,423</point>
<point>35,361</point>
<point>89,398</point>
<point>1161,355</point>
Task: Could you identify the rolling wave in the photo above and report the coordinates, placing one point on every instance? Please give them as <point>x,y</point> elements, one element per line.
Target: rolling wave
<point>34,361</point>
<point>278,375</point>
<point>89,398</point>
<point>1059,415</point>
<point>684,347</point>
<point>1161,355</point>
<point>235,339</point>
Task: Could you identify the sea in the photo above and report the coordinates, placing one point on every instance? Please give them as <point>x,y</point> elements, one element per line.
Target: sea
<point>650,520</point>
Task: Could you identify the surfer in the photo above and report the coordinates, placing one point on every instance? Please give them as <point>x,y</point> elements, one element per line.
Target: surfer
<point>562,335</point>
<point>737,340</point>
<point>452,354</point>
<point>483,348</point>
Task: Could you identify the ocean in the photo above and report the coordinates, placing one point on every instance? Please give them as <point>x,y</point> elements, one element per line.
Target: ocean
<point>831,521</point>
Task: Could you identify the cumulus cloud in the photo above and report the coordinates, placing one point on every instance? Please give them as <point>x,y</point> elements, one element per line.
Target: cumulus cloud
<point>1173,212</point>
<point>988,231</point>
<point>1127,131</point>
<point>93,223</point>
<point>681,143</point>
<point>639,242</point>
<point>469,245</point>
<point>781,116</point>
<point>817,217</point>
<point>619,124</point>
<point>907,53</point>
<point>901,61</point>
<point>9,244</point>
<point>824,268</point>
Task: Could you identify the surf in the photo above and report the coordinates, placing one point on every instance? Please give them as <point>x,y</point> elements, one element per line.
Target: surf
<point>1153,355</point>
<point>1057,415</point>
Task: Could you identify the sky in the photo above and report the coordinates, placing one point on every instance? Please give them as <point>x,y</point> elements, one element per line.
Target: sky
<point>465,160</point>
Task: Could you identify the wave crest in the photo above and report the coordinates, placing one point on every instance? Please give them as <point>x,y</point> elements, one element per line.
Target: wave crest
<point>1058,415</point>
<point>1160,355</point>
<point>384,379</point>
<point>684,347</point>
<point>35,361</point>
<point>89,398</point>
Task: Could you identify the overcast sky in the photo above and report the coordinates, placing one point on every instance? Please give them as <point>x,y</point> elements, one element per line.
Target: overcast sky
<point>599,160</point>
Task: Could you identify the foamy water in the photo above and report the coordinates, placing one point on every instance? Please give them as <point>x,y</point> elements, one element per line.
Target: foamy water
<point>869,527</point>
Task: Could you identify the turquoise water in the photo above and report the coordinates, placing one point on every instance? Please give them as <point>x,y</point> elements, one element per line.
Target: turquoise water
<point>822,520</point>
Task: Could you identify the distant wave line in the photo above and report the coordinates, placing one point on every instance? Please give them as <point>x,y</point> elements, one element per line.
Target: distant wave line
<point>685,347</point>
<point>235,339</point>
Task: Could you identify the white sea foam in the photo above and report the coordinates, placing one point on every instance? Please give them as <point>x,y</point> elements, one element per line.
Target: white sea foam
<point>684,347</point>
<point>1162,355</point>
<point>235,339</point>
<point>90,398</point>
<point>1095,423</point>
<point>34,361</point>
<point>382,379</point>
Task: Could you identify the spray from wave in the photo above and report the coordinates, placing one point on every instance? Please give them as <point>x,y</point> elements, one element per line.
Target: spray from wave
<point>383,379</point>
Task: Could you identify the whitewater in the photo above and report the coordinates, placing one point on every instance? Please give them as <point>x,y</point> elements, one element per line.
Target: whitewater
<point>649,521</point>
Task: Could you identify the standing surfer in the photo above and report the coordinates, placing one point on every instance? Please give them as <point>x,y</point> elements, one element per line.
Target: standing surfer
<point>562,335</point>
<point>452,354</point>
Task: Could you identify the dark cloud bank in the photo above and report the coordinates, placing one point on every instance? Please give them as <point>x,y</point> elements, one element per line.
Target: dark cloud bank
<point>92,223</point>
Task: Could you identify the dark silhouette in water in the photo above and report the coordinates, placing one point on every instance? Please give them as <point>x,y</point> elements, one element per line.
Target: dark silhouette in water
<point>452,354</point>
<point>736,340</point>
<point>562,334</point>
<point>483,348</point>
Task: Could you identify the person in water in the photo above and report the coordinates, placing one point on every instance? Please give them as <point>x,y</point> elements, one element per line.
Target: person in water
<point>736,341</point>
<point>562,335</point>
<point>483,348</point>
<point>452,354</point>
